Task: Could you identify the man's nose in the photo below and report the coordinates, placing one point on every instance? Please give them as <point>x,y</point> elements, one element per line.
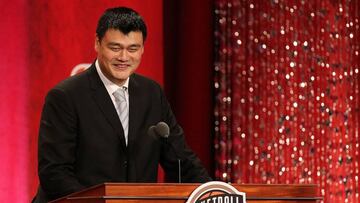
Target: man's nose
<point>123,55</point>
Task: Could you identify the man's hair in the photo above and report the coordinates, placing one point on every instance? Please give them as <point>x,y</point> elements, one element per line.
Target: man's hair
<point>123,19</point>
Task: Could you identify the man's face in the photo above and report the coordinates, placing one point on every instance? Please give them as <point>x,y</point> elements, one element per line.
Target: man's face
<point>118,54</point>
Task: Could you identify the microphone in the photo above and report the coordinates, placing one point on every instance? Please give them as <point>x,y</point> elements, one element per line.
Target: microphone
<point>162,129</point>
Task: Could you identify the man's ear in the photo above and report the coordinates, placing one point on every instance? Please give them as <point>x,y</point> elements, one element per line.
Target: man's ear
<point>143,49</point>
<point>97,43</point>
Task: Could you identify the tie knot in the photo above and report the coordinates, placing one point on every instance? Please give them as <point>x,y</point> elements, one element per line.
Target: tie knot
<point>120,94</point>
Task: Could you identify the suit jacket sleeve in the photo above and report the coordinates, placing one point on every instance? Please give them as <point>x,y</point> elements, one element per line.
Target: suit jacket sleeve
<point>57,142</point>
<point>191,168</point>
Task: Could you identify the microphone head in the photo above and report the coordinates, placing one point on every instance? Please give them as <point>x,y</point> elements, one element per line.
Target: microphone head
<point>162,129</point>
<point>151,131</point>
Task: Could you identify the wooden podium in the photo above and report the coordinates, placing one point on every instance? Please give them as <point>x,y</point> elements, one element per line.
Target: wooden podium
<point>176,193</point>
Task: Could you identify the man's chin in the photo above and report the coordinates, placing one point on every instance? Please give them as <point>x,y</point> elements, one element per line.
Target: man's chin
<point>122,76</point>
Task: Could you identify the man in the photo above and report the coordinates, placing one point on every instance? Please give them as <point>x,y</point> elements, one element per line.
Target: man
<point>94,126</point>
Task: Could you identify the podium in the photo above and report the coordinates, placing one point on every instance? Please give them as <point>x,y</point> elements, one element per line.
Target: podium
<point>176,193</point>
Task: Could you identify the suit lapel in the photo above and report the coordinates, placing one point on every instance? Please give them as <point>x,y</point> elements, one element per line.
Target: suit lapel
<point>136,114</point>
<point>104,102</point>
<point>135,106</point>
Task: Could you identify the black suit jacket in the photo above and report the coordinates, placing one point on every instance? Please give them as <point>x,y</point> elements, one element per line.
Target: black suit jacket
<point>81,140</point>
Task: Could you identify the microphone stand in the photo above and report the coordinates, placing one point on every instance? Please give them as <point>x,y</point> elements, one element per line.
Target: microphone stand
<point>179,169</point>
<point>166,139</point>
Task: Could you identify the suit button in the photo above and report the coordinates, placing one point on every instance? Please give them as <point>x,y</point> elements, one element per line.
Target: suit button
<point>125,163</point>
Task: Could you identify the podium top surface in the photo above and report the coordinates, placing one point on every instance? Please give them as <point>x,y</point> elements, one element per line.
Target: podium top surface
<point>183,191</point>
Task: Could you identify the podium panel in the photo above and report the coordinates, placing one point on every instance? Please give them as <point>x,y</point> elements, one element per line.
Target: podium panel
<point>179,193</point>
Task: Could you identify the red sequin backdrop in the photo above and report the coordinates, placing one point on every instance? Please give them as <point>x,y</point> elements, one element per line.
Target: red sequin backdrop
<point>287,94</point>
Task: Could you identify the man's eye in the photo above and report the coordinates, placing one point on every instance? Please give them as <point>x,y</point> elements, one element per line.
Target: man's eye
<point>116,49</point>
<point>133,49</point>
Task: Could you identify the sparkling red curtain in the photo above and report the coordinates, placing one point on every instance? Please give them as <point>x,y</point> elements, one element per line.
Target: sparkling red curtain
<point>287,94</point>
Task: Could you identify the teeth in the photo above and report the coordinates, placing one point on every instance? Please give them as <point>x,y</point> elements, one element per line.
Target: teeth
<point>121,66</point>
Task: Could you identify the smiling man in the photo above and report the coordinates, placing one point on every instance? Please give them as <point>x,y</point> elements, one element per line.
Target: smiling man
<point>94,126</point>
